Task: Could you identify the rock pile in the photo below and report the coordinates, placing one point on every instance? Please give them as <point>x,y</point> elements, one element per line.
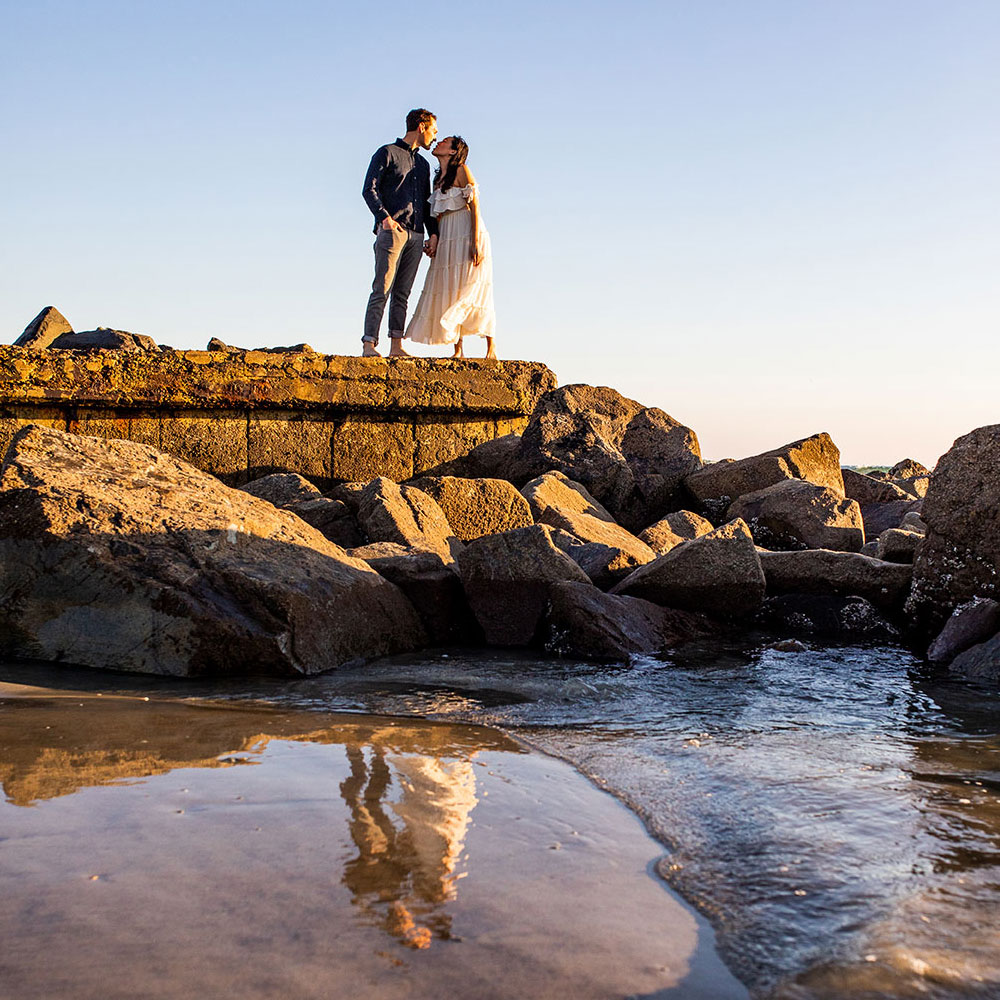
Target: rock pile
<point>597,533</point>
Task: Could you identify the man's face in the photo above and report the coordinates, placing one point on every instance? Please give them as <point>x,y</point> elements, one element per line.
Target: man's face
<point>426,133</point>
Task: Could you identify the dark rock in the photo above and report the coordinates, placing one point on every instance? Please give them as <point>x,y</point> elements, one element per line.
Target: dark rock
<point>970,623</point>
<point>717,574</point>
<point>870,548</point>
<point>794,514</point>
<point>104,339</point>
<point>282,488</point>
<point>117,556</point>
<point>660,537</point>
<point>632,458</point>
<point>348,493</point>
<point>827,615</point>
<point>583,623</point>
<point>815,459</point>
<point>507,579</point>
<point>960,556</point>
<point>979,663</point>
<point>897,545</point>
<point>788,646</point>
<point>46,327</point>
<point>217,345</point>
<point>687,524</point>
<point>434,589</point>
<point>908,468</point>
<point>880,517</point>
<point>477,507</point>
<point>389,512</point>
<point>333,518</point>
<point>912,521</point>
<point>868,490</point>
<point>821,571</point>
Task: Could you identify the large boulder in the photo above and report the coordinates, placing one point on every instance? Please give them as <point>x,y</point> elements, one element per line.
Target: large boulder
<point>879,517</point>
<point>107,340</point>
<point>822,571</point>
<point>979,663</point>
<point>867,490</point>
<point>115,555</point>
<point>959,558</point>
<point>494,459</point>
<point>907,469</point>
<point>584,623</point>
<point>717,574</point>
<point>333,518</point>
<point>815,459</point>
<point>388,512</point>
<point>686,524</point>
<point>632,458</point>
<point>477,507</point>
<point>914,486</point>
<point>48,325</point>
<point>794,514</point>
<point>433,587</point>
<point>558,491</point>
<point>970,623</point>
<point>507,578</point>
<point>282,488</point>
<point>898,545</point>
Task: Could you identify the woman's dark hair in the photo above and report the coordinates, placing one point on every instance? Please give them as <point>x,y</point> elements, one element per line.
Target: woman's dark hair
<point>418,117</point>
<point>460,152</point>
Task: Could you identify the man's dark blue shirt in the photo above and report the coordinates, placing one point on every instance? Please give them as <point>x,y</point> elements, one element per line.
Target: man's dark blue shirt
<point>398,184</point>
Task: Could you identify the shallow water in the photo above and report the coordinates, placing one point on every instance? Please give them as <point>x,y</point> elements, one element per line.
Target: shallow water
<point>834,812</point>
<point>152,848</point>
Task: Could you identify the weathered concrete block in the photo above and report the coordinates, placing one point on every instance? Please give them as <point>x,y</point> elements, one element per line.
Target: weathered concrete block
<point>281,440</point>
<point>364,449</point>
<point>208,441</point>
<point>437,441</point>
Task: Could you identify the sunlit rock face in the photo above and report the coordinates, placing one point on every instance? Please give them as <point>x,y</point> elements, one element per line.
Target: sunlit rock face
<point>115,555</point>
<point>959,558</point>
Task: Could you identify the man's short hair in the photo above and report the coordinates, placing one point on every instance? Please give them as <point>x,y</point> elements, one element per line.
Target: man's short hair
<point>418,117</point>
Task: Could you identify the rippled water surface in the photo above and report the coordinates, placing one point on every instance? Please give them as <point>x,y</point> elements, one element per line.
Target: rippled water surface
<point>834,811</point>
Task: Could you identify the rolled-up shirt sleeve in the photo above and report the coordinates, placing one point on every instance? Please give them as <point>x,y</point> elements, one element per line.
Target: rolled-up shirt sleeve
<point>370,190</point>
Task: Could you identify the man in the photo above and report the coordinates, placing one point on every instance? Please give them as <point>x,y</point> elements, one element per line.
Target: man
<point>397,187</point>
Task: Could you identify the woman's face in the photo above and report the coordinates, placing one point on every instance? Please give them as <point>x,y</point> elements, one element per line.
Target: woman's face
<point>444,148</point>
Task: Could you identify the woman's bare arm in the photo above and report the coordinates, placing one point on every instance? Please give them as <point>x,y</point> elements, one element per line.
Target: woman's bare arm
<point>464,179</point>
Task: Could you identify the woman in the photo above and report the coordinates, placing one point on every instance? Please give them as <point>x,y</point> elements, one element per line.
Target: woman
<point>457,300</point>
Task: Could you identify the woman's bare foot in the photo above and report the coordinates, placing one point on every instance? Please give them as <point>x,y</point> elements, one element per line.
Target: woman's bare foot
<point>368,350</point>
<point>396,349</point>
<point>458,352</point>
<point>491,351</point>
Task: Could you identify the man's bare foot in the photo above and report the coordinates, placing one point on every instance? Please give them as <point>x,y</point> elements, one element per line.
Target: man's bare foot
<point>396,349</point>
<point>491,351</point>
<point>368,350</point>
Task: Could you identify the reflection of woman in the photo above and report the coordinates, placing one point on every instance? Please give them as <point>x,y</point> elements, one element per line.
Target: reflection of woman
<point>457,299</point>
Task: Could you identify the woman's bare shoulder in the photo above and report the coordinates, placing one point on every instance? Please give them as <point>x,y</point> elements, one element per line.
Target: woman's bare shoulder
<point>464,176</point>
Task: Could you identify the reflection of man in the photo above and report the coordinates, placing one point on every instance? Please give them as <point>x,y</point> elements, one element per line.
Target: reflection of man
<point>403,876</point>
<point>397,189</point>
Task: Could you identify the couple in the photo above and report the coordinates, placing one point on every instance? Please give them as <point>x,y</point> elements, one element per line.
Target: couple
<point>457,299</point>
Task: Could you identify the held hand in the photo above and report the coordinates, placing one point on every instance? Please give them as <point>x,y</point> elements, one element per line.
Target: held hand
<point>391,224</point>
<point>430,246</point>
<point>476,255</point>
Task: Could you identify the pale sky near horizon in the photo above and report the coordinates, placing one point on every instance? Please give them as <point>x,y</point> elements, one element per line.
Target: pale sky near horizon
<point>768,218</point>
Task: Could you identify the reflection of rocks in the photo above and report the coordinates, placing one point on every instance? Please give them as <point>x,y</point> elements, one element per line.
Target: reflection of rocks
<point>55,746</point>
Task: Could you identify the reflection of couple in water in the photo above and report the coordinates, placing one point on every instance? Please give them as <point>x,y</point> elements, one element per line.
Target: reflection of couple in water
<point>406,869</point>
<point>457,298</point>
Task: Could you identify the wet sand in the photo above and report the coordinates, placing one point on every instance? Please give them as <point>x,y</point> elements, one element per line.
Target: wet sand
<point>163,849</point>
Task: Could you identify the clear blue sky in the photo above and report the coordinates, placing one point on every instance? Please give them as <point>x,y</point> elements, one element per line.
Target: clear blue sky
<point>768,217</point>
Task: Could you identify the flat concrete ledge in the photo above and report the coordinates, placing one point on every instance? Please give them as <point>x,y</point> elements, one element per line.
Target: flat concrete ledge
<point>260,379</point>
<point>243,414</point>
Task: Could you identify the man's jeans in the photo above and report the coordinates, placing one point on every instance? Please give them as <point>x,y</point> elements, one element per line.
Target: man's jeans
<point>397,256</point>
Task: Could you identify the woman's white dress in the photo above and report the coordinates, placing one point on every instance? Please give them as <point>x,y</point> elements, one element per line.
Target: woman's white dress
<point>457,300</point>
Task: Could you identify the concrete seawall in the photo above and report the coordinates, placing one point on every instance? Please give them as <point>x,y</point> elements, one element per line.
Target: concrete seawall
<point>243,414</point>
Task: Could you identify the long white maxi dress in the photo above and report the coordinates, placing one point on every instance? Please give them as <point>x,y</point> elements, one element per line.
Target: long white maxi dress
<point>457,299</point>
